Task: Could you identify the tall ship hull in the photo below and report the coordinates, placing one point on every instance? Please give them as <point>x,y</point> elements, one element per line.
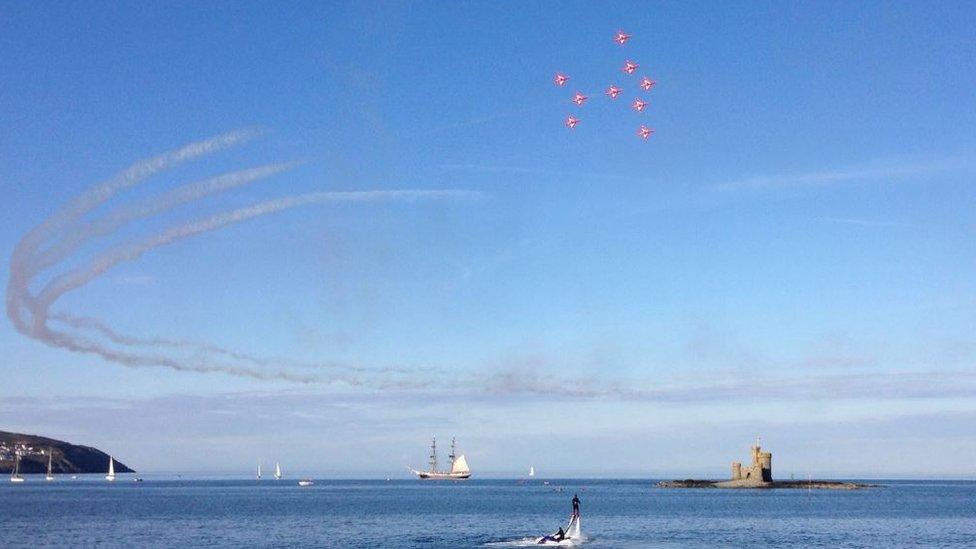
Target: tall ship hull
<point>427,475</point>
<point>459,466</point>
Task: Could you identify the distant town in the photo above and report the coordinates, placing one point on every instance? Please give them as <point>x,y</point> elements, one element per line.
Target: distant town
<point>10,451</point>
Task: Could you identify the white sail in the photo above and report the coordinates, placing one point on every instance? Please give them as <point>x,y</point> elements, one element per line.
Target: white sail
<point>277,470</point>
<point>111,469</point>
<point>531,471</point>
<point>460,465</point>
<point>259,470</point>
<point>50,473</point>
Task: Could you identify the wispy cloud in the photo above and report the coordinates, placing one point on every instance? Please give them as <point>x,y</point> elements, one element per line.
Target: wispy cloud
<point>852,174</point>
<point>864,222</point>
<point>523,170</point>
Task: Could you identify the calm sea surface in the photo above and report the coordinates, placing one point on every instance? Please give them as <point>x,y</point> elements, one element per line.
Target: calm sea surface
<point>476,513</point>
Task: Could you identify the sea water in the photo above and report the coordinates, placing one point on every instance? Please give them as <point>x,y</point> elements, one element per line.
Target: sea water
<point>476,513</point>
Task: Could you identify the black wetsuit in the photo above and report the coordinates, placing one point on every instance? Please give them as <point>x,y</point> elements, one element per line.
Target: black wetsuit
<point>576,503</point>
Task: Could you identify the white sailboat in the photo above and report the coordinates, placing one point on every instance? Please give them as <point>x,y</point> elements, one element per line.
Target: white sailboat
<point>15,476</point>
<point>259,471</point>
<point>277,474</point>
<point>531,471</point>
<point>306,482</point>
<point>50,472</point>
<point>111,470</point>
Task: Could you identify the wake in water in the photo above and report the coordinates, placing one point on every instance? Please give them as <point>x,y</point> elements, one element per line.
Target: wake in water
<point>569,536</point>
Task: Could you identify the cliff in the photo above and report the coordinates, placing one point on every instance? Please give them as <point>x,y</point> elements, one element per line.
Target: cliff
<point>67,458</point>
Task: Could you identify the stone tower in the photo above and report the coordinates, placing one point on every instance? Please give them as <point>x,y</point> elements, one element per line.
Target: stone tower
<point>759,472</point>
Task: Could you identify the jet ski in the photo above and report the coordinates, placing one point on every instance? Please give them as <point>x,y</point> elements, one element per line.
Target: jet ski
<point>564,537</point>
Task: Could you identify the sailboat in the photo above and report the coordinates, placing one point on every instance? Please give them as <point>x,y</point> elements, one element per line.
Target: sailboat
<point>15,476</point>
<point>259,471</point>
<point>111,470</point>
<point>459,465</point>
<point>50,457</point>
<point>531,471</point>
<point>277,471</point>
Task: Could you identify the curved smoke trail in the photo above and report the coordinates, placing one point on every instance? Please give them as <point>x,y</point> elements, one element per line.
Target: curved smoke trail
<point>65,234</point>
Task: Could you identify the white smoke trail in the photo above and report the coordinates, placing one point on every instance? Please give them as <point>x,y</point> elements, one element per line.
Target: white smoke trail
<point>20,274</point>
<point>77,278</point>
<point>69,234</point>
<point>123,215</point>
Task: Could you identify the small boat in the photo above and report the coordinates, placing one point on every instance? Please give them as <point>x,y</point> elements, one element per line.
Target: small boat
<point>111,470</point>
<point>531,471</point>
<point>259,471</point>
<point>277,474</point>
<point>50,457</point>
<point>305,482</point>
<point>137,479</point>
<point>459,465</point>
<point>15,476</point>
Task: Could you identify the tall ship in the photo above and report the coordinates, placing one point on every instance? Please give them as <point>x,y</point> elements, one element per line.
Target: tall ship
<point>459,466</point>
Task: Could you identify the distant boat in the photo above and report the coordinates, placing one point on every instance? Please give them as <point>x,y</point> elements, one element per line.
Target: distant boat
<point>531,471</point>
<point>259,471</point>
<point>50,473</point>
<point>137,479</point>
<point>111,470</point>
<point>277,474</point>
<point>15,476</point>
<point>305,482</point>
<point>459,465</point>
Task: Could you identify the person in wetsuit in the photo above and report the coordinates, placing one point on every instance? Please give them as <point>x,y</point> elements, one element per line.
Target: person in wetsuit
<point>576,502</point>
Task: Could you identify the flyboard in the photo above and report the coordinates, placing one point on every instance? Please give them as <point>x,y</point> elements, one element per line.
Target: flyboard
<point>572,535</point>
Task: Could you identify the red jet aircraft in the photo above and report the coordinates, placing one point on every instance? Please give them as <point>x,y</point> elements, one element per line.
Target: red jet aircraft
<point>560,79</point>
<point>630,67</point>
<point>621,37</point>
<point>639,105</point>
<point>613,92</point>
<point>571,122</point>
<point>644,132</point>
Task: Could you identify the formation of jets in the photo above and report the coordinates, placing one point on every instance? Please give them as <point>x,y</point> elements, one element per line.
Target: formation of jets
<point>613,91</point>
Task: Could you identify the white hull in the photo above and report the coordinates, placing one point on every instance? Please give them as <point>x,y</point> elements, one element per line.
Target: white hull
<point>110,478</point>
<point>427,475</point>
<point>16,479</point>
<point>305,483</point>
<point>49,477</point>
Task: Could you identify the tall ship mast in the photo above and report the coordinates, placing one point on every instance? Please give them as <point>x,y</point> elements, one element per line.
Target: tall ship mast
<point>459,465</point>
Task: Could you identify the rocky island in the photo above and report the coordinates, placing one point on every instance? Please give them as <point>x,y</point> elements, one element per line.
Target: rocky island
<point>66,458</point>
<point>759,474</point>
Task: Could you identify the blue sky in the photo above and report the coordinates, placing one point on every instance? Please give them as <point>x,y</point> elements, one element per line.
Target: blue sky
<point>789,255</point>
